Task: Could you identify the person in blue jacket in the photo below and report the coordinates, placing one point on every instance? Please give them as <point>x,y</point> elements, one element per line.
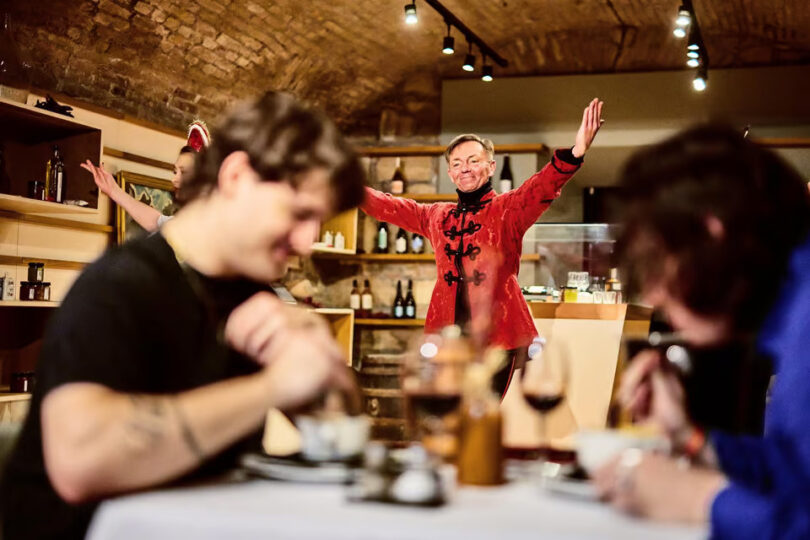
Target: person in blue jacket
<point>715,235</point>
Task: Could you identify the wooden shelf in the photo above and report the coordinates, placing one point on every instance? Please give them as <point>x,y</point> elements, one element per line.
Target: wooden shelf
<point>410,151</point>
<point>50,263</point>
<point>24,205</point>
<point>56,222</point>
<point>8,396</point>
<point>332,251</point>
<point>389,323</point>
<point>395,258</point>
<point>784,142</point>
<point>28,303</point>
<point>430,197</point>
<point>334,311</point>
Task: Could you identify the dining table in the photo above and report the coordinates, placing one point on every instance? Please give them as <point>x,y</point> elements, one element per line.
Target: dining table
<point>260,508</point>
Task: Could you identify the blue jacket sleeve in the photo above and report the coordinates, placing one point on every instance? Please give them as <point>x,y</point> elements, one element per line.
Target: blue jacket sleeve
<point>739,513</point>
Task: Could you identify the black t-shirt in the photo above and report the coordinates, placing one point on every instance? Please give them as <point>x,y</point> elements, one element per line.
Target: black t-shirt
<point>134,321</point>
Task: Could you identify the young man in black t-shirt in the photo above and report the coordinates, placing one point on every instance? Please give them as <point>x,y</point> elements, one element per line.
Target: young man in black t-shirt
<point>167,352</point>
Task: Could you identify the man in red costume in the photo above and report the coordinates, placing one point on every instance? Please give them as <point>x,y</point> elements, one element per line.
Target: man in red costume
<point>478,240</point>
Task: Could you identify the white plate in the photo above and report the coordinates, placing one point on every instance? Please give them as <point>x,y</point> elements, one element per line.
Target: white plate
<point>297,470</point>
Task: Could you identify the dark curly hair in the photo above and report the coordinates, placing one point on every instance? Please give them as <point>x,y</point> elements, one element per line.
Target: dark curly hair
<point>671,189</point>
<point>283,139</point>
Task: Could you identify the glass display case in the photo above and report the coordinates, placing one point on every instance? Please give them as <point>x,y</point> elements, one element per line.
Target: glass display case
<point>563,248</point>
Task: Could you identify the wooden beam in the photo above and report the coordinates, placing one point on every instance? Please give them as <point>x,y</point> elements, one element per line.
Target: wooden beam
<point>135,158</point>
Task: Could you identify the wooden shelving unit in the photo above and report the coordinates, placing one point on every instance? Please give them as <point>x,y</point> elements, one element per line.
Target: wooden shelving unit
<point>24,205</point>
<point>353,258</point>
<point>390,323</point>
<point>50,263</point>
<point>29,304</point>
<point>430,197</point>
<point>416,151</point>
<point>342,322</point>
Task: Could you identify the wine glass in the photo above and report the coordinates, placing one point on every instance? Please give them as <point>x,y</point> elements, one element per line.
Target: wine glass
<point>544,382</point>
<point>431,382</point>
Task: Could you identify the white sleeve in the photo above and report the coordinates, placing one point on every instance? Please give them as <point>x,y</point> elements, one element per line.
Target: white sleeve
<point>162,220</point>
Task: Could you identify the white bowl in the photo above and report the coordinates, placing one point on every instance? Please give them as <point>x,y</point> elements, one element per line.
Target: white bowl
<point>332,437</point>
<point>596,447</point>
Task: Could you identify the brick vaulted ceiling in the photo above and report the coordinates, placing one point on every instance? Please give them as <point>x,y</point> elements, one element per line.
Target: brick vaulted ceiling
<point>167,61</point>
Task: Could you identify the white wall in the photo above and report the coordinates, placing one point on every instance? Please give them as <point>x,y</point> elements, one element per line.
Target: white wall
<point>640,108</point>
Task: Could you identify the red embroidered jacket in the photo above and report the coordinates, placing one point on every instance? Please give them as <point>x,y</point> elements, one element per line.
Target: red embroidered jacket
<point>478,243</point>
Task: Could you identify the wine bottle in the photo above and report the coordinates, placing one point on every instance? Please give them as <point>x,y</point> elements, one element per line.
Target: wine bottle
<point>401,243</point>
<point>5,181</point>
<point>55,177</point>
<point>366,300</point>
<point>354,297</point>
<point>381,243</point>
<point>399,303</point>
<point>410,303</point>
<point>506,175</point>
<point>417,244</point>
<point>398,181</point>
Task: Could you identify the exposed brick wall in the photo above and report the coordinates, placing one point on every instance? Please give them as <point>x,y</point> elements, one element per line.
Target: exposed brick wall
<point>167,61</point>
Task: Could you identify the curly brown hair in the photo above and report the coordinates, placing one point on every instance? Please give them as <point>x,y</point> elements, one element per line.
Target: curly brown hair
<point>671,190</point>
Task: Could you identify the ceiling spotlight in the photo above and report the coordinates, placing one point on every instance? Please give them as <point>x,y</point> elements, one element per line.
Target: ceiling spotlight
<point>469,60</point>
<point>699,82</point>
<point>679,32</point>
<point>410,13</point>
<point>469,63</point>
<point>448,46</point>
<point>684,17</point>
<point>487,76</point>
<point>693,62</point>
<point>693,54</point>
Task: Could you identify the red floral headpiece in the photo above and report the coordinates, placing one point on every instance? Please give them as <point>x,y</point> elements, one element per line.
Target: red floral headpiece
<point>198,136</point>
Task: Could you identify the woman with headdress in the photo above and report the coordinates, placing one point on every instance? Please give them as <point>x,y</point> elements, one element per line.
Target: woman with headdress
<point>146,216</point>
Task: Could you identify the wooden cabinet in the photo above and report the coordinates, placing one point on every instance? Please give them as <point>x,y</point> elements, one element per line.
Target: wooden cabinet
<point>63,237</point>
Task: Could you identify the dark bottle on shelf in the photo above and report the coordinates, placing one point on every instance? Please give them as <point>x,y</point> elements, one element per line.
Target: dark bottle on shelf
<point>5,180</point>
<point>505,183</point>
<point>366,300</point>
<point>381,241</point>
<point>410,303</point>
<point>398,181</point>
<point>399,304</point>
<point>417,244</point>
<point>354,297</point>
<point>55,177</point>
<point>401,243</point>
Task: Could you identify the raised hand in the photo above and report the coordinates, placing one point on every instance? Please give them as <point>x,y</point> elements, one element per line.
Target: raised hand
<point>591,122</point>
<point>103,179</point>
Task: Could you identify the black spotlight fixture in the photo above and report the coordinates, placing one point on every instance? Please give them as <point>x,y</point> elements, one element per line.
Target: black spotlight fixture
<point>448,47</point>
<point>469,60</point>
<point>487,72</point>
<point>410,13</point>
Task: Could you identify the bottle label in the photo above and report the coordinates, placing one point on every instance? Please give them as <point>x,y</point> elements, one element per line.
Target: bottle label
<point>398,312</point>
<point>397,187</point>
<point>367,301</point>
<point>417,244</point>
<point>59,186</point>
<point>410,312</point>
<point>382,240</point>
<point>354,301</point>
<point>506,185</point>
<point>402,245</point>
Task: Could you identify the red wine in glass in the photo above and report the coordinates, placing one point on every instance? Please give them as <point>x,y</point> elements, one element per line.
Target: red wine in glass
<point>543,403</point>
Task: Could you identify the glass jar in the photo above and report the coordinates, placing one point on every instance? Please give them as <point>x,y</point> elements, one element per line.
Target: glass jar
<point>46,291</point>
<point>26,290</point>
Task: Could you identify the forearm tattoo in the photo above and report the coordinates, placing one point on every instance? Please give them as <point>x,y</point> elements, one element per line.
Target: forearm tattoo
<point>150,422</point>
<point>185,430</point>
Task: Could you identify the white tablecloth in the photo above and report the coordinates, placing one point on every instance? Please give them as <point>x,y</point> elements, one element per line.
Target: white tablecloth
<point>275,510</point>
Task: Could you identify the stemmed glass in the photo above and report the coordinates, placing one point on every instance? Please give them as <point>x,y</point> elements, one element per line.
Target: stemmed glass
<point>544,382</point>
